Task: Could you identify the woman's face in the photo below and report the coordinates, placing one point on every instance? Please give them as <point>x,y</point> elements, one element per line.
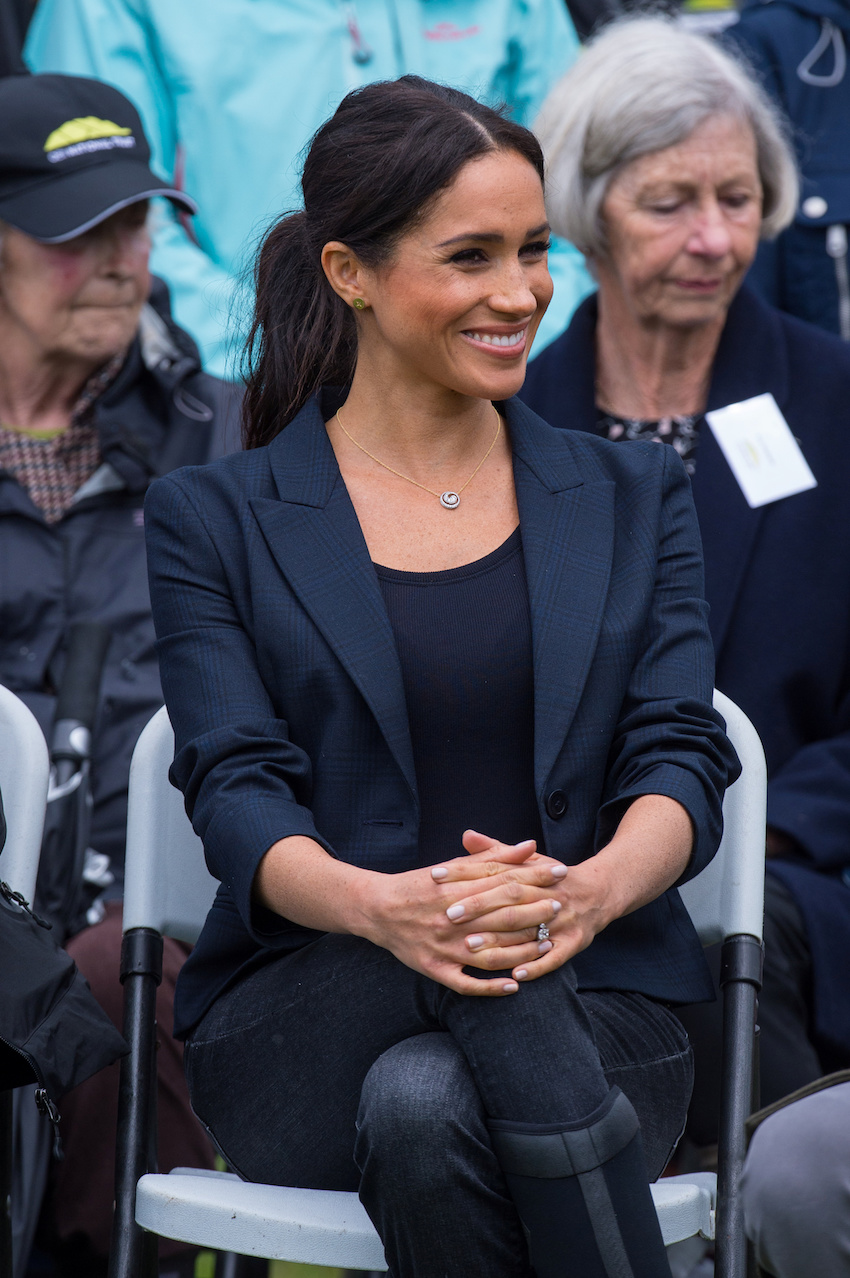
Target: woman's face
<point>460,301</point>
<point>78,301</point>
<point>683,227</point>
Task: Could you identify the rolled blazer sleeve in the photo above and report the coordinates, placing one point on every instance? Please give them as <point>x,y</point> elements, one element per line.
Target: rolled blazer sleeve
<point>669,740</point>
<point>234,761</point>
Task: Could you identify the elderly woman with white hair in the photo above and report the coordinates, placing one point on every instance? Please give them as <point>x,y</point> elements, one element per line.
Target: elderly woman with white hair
<point>666,165</point>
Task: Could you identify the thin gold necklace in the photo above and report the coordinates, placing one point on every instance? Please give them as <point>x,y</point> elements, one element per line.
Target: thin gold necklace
<point>449,499</point>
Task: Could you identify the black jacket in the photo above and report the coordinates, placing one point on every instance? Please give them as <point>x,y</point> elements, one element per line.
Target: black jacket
<point>161,412</point>
<point>778,582</point>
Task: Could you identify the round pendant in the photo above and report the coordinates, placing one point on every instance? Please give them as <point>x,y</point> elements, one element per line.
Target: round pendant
<point>451,501</point>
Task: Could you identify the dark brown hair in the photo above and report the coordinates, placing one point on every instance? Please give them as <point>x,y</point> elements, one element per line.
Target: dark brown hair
<point>371,171</point>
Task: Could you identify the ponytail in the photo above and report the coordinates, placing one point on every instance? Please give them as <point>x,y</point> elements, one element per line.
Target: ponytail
<point>372,170</point>
<point>302,335</point>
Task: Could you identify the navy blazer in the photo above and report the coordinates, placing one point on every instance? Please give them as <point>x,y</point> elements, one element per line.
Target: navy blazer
<point>282,680</point>
<point>778,582</point>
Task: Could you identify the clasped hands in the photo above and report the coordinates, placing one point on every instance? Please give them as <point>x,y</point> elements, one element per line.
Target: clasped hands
<point>483,911</point>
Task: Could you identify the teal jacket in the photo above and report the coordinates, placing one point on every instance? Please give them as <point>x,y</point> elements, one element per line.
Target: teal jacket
<point>230,93</point>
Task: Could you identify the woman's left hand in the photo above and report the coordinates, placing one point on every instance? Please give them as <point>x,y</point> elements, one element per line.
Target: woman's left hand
<point>648,853</point>
<point>576,890</point>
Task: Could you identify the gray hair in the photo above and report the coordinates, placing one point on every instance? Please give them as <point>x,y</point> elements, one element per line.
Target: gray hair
<point>642,85</point>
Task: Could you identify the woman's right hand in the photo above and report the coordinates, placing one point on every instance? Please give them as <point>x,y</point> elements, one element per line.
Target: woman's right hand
<point>409,915</point>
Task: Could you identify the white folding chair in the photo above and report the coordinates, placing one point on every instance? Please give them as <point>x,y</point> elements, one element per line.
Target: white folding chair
<point>24,774</point>
<point>168,892</point>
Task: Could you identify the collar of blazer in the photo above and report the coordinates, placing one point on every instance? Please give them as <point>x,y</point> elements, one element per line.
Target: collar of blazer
<point>568,537</point>
<point>751,359</point>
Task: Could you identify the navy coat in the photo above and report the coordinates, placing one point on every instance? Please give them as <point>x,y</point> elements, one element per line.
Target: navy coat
<point>778,582</point>
<point>282,679</point>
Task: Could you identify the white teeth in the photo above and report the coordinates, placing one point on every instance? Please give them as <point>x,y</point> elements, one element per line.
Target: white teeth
<point>491,339</point>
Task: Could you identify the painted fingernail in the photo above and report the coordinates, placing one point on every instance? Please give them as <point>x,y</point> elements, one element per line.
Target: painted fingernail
<point>521,973</point>
<point>510,987</point>
<point>455,912</point>
<point>559,871</point>
<point>544,947</point>
<point>475,942</point>
<point>556,905</point>
<point>439,872</point>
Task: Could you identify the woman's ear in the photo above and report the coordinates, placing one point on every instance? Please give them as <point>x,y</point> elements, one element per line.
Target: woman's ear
<point>345,274</point>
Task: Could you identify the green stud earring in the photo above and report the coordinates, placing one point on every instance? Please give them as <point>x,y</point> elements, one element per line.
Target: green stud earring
<point>359,304</point>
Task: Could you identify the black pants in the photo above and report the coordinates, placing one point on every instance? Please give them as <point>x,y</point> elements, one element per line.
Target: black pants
<point>338,1067</point>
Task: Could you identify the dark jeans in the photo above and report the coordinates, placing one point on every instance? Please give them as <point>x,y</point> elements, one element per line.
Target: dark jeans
<point>338,1067</point>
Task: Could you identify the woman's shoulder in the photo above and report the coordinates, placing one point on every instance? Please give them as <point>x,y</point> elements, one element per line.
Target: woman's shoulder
<point>220,488</point>
<point>581,456</point>
<point>245,469</point>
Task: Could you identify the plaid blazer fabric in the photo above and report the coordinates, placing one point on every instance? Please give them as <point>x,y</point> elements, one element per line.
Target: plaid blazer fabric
<point>281,677</point>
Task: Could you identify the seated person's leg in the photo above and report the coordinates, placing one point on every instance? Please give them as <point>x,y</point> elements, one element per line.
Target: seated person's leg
<point>302,1034</point>
<point>796,1188</point>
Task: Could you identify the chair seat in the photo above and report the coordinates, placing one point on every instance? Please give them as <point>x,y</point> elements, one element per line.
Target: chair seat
<point>326,1227</point>
<point>685,1206</point>
<point>218,1210</point>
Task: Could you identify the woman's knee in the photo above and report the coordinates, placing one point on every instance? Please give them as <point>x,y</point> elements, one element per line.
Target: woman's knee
<point>418,1094</point>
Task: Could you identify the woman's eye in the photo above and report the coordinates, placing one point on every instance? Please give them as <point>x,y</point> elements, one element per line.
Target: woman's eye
<point>665,206</point>
<point>470,256</point>
<point>737,201</point>
<point>537,248</point>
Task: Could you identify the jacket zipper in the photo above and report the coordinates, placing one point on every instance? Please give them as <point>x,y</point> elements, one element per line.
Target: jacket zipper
<point>43,1102</point>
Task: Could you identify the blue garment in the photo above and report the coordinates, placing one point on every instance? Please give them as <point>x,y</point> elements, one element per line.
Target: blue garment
<point>799,50</point>
<point>282,679</point>
<point>778,582</point>
<point>230,94</point>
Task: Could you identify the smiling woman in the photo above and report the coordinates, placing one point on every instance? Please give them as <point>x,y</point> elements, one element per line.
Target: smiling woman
<point>397,636</point>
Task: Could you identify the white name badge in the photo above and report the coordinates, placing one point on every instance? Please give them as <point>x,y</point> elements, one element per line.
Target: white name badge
<point>764,456</point>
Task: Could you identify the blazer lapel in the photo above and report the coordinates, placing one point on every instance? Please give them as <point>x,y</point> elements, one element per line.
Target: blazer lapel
<point>748,362</point>
<point>568,543</point>
<point>316,541</point>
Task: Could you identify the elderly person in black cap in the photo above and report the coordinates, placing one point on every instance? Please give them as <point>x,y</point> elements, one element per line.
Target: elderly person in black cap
<point>99,392</point>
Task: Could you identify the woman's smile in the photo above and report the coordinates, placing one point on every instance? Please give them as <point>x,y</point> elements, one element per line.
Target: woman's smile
<point>503,344</point>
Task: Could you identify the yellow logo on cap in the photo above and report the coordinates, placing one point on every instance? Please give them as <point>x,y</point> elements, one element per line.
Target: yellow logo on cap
<point>84,129</point>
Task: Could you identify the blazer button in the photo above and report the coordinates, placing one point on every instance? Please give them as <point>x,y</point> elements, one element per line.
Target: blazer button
<point>556,804</point>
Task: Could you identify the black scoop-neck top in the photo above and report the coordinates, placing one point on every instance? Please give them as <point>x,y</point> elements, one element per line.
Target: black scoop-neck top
<point>464,643</point>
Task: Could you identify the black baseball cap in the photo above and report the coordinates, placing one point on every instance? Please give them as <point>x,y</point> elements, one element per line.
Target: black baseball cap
<point>72,153</point>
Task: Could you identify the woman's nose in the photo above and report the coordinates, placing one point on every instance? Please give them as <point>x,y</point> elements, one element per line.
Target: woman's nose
<point>710,235</point>
<point>513,293</point>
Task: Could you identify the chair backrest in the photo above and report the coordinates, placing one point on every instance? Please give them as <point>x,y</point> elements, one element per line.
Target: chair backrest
<point>168,887</point>
<point>24,776</point>
<point>727,898</point>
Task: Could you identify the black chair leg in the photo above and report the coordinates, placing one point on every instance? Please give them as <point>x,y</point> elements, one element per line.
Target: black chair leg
<point>133,1253</point>
<point>5,1182</point>
<point>740,980</point>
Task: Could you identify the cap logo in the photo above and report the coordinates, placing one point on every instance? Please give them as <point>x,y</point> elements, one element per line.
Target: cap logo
<point>85,134</point>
